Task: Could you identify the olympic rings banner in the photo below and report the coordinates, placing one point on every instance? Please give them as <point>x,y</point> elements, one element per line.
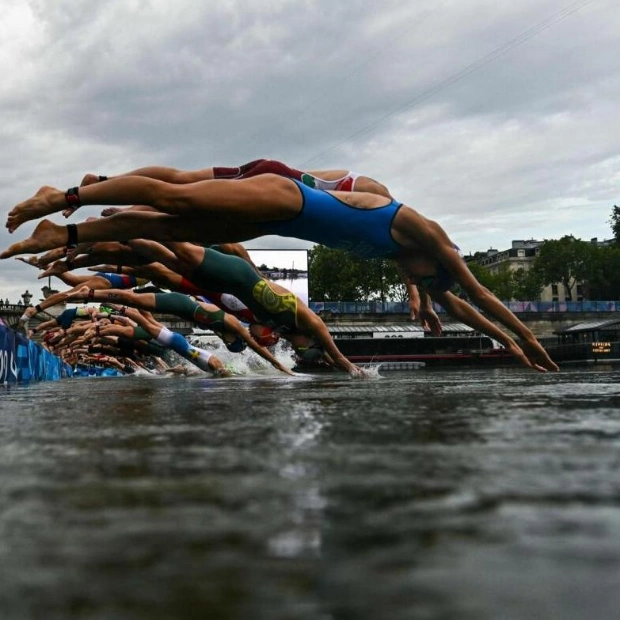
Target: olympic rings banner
<point>22,360</point>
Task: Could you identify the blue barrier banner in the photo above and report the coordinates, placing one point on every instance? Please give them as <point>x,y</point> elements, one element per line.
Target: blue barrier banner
<point>398,307</point>
<point>22,360</point>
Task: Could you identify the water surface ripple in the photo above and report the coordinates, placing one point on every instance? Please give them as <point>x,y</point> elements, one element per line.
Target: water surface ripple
<point>479,494</point>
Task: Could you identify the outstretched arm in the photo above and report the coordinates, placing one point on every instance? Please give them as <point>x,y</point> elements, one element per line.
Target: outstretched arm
<point>310,323</point>
<point>531,353</point>
<point>412,293</point>
<point>436,243</point>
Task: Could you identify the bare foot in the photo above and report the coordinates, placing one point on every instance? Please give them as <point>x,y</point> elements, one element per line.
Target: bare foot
<point>80,294</point>
<point>45,236</point>
<point>60,266</point>
<point>111,211</point>
<point>89,179</point>
<point>31,260</point>
<point>46,201</point>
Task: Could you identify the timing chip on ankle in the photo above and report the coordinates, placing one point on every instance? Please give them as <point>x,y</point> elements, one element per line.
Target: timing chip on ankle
<point>72,198</point>
<point>72,236</point>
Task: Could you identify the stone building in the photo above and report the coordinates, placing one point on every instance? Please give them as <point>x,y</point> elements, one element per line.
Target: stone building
<point>521,256</point>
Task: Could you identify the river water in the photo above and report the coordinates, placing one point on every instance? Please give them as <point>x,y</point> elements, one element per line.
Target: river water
<point>434,494</point>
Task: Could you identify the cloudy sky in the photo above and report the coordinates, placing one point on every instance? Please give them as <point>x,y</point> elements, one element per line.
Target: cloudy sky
<point>497,118</point>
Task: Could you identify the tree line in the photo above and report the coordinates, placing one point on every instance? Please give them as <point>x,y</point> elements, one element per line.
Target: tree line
<point>335,275</point>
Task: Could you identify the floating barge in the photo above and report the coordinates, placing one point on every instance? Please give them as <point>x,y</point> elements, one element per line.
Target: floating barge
<point>588,342</point>
<point>401,344</point>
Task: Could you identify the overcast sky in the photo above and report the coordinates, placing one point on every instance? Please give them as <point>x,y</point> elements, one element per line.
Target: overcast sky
<point>497,118</point>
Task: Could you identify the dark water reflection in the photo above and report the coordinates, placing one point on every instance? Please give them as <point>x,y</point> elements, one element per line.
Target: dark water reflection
<point>428,494</point>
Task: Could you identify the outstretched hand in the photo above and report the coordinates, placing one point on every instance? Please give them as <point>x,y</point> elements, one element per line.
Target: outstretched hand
<point>359,373</point>
<point>538,357</point>
<point>430,321</point>
<point>532,355</point>
<point>414,307</point>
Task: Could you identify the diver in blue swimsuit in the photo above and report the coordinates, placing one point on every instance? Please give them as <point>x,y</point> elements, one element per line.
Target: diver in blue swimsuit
<point>363,232</point>
<point>228,211</point>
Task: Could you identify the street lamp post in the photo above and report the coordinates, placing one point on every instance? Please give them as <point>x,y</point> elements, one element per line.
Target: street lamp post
<point>27,296</point>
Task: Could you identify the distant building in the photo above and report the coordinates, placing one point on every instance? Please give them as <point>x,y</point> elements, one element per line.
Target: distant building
<point>521,256</point>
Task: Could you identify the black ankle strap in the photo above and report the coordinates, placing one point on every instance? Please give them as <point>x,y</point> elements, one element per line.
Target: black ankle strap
<point>72,198</point>
<point>72,236</point>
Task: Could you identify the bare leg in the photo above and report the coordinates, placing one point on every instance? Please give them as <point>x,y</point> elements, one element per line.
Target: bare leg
<point>263,198</point>
<point>73,280</point>
<point>169,175</point>
<point>53,255</point>
<point>154,251</point>
<point>178,256</point>
<point>88,282</point>
<point>47,235</point>
<point>144,301</point>
<point>188,255</point>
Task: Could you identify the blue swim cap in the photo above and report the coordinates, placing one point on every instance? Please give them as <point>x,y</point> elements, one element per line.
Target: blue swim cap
<point>237,345</point>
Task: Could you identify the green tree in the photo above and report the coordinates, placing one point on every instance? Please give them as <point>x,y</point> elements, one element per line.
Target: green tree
<point>604,279</point>
<point>381,281</point>
<point>506,284</point>
<point>331,275</point>
<point>336,275</point>
<point>499,282</point>
<point>567,261</point>
<point>614,221</point>
<point>527,284</point>
<point>482,274</point>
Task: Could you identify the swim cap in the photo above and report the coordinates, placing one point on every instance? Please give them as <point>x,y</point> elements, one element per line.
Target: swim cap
<point>310,355</point>
<point>264,336</point>
<point>237,345</point>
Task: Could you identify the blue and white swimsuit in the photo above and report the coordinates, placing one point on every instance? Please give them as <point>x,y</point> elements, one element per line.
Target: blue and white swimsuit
<point>329,221</point>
